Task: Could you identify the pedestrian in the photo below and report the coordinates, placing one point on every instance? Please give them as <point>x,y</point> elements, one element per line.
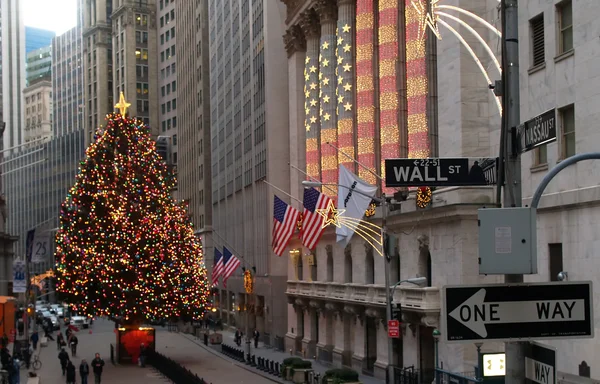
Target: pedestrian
<point>34,339</point>
<point>4,340</point>
<point>256,337</point>
<point>14,372</point>
<point>238,337</point>
<point>5,358</point>
<point>84,371</point>
<point>70,373</point>
<point>63,357</point>
<point>143,354</point>
<point>60,341</point>
<point>27,353</point>
<point>21,327</point>
<point>97,366</point>
<point>74,342</point>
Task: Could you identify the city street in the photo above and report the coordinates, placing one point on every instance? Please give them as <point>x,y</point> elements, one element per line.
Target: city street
<point>213,369</point>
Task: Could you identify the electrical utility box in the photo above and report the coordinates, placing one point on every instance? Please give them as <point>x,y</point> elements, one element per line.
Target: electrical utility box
<point>507,241</point>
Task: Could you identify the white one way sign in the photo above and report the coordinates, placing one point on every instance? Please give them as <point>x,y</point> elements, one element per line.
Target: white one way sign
<point>540,364</point>
<point>522,311</point>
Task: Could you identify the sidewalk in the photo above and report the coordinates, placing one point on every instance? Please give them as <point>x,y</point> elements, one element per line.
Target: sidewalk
<point>270,354</point>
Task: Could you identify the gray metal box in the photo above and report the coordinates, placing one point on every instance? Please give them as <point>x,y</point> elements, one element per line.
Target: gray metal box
<point>507,241</point>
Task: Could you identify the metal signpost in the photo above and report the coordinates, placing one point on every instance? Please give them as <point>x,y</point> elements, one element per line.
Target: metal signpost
<point>441,172</point>
<point>540,364</point>
<point>537,131</point>
<point>517,312</point>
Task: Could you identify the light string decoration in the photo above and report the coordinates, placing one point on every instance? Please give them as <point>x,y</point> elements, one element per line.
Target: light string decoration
<point>389,130</point>
<point>365,89</point>
<point>311,99</point>
<point>125,249</point>
<point>327,94</point>
<point>417,86</point>
<point>370,232</point>
<point>429,15</point>
<point>345,80</point>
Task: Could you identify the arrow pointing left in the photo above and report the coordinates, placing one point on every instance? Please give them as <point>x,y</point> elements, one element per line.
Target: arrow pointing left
<point>475,312</point>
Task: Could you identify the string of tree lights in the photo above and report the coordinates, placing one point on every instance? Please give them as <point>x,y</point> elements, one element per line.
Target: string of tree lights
<point>125,248</point>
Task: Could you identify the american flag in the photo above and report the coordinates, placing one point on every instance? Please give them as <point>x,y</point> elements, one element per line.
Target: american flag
<point>230,264</point>
<point>312,222</point>
<point>217,267</point>
<point>285,218</point>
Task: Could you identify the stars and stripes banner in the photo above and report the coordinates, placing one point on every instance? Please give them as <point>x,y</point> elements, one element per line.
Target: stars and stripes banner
<point>217,267</point>
<point>285,218</point>
<point>230,264</point>
<point>312,222</point>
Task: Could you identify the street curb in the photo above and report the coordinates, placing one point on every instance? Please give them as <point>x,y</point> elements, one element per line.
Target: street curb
<point>234,362</point>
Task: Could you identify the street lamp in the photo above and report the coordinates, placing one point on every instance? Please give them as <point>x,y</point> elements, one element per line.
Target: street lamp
<point>436,337</point>
<point>388,297</point>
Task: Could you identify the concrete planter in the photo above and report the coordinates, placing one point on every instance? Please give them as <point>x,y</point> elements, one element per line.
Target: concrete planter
<point>215,338</point>
<point>300,375</point>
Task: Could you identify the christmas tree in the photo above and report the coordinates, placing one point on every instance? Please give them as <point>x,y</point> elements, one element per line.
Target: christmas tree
<point>125,248</point>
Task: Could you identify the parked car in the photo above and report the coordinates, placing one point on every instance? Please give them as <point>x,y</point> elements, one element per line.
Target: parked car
<point>80,321</point>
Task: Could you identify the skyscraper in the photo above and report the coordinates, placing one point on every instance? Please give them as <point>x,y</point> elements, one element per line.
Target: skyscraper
<point>193,115</point>
<point>38,64</point>
<point>67,82</point>
<point>36,38</point>
<point>13,70</point>
<point>248,72</point>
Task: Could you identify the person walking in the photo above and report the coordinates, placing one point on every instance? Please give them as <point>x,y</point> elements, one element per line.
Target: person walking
<point>70,373</point>
<point>63,357</point>
<point>34,339</point>
<point>84,371</point>
<point>143,353</point>
<point>21,326</point>
<point>60,341</point>
<point>74,342</point>
<point>256,337</point>
<point>97,366</point>
<point>14,372</point>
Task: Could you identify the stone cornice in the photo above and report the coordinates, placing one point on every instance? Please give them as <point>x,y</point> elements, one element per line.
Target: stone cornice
<point>309,22</point>
<point>294,40</point>
<point>327,11</point>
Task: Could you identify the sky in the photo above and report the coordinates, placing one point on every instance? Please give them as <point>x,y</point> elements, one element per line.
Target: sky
<point>55,15</point>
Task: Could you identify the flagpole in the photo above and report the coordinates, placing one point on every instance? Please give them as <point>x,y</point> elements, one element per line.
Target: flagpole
<point>312,178</point>
<point>356,161</point>
<point>282,191</point>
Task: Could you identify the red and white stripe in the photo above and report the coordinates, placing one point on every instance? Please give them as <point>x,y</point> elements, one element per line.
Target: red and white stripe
<point>312,223</point>
<point>230,267</point>
<point>282,232</point>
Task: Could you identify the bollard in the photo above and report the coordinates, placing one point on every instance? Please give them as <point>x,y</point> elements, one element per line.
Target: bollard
<point>267,365</point>
<point>271,369</point>
<point>262,364</point>
<point>253,362</point>
<point>276,373</point>
<point>248,359</point>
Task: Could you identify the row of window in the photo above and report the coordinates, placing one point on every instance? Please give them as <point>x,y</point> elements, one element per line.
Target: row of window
<point>168,106</point>
<point>166,72</point>
<point>167,18</point>
<point>564,34</point>
<point>566,140</point>
<point>168,124</point>
<point>170,34</point>
<point>166,90</point>
<point>164,3</point>
<point>167,54</point>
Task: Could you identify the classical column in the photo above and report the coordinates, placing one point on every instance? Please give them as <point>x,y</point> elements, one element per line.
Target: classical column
<point>327,11</point>
<point>358,355</point>
<point>365,88</point>
<point>309,23</point>
<point>382,351</point>
<point>295,45</point>
<point>326,334</point>
<point>345,81</point>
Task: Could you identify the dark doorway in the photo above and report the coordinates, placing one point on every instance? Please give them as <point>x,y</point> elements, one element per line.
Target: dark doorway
<point>426,355</point>
<point>371,344</point>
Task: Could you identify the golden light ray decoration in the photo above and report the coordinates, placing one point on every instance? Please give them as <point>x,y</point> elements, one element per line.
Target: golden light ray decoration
<point>37,280</point>
<point>248,281</point>
<point>427,17</point>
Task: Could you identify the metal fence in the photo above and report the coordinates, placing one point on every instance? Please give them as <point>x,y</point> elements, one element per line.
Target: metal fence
<point>406,375</point>
<point>172,369</point>
<point>445,377</point>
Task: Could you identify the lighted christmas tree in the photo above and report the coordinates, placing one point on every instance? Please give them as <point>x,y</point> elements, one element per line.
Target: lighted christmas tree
<point>125,248</point>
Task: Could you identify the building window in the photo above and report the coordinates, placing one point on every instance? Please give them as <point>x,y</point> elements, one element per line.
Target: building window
<point>174,85</point>
<point>565,26</point>
<point>162,4</point>
<point>174,121</point>
<point>162,90</point>
<point>567,122</point>
<point>162,22</point>
<point>541,155</point>
<point>537,40</point>
<point>174,139</point>
<point>164,126</point>
<point>162,39</point>
<point>555,257</point>
<point>174,103</point>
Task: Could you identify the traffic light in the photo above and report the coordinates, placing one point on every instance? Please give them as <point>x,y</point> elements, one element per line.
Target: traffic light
<point>397,312</point>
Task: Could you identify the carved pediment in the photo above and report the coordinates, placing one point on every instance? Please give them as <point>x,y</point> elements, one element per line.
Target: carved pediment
<point>294,40</point>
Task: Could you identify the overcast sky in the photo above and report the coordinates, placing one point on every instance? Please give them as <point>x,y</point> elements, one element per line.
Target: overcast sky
<point>56,15</point>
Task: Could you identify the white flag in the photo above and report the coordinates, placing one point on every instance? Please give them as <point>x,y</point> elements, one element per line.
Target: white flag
<point>354,196</point>
<point>19,282</point>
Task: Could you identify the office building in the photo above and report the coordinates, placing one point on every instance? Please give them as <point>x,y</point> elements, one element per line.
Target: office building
<point>167,80</point>
<point>36,38</point>
<point>38,110</point>
<point>13,70</point>
<point>377,91</point>
<point>191,123</point>
<point>248,145</point>
<point>67,82</point>
<point>38,64</point>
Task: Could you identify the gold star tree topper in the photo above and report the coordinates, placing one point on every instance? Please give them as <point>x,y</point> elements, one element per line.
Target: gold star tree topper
<point>122,105</point>
<point>331,215</point>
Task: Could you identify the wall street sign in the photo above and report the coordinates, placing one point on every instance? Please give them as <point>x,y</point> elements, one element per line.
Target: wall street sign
<point>441,172</point>
<point>504,312</point>
<point>537,131</point>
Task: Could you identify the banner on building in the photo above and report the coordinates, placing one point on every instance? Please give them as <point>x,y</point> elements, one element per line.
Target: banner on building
<point>19,281</point>
<point>354,197</point>
<point>38,246</point>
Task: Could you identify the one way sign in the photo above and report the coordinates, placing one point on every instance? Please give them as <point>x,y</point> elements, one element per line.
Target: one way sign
<point>523,311</point>
<point>540,364</point>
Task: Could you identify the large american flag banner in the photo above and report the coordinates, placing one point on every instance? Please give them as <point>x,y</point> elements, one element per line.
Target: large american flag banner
<point>285,218</point>
<point>217,267</point>
<point>230,264</point>
<point>312,222</point>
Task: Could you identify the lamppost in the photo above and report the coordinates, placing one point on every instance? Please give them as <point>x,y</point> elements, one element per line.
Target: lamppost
<point>388,297</point>
<point>436,337</point>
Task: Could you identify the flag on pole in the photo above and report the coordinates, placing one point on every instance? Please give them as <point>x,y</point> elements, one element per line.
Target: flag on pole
<point>285,218</point>
<point>230,264</point>
<point>354,196</point>
<point>312,222</point>
<point>217,267</point>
